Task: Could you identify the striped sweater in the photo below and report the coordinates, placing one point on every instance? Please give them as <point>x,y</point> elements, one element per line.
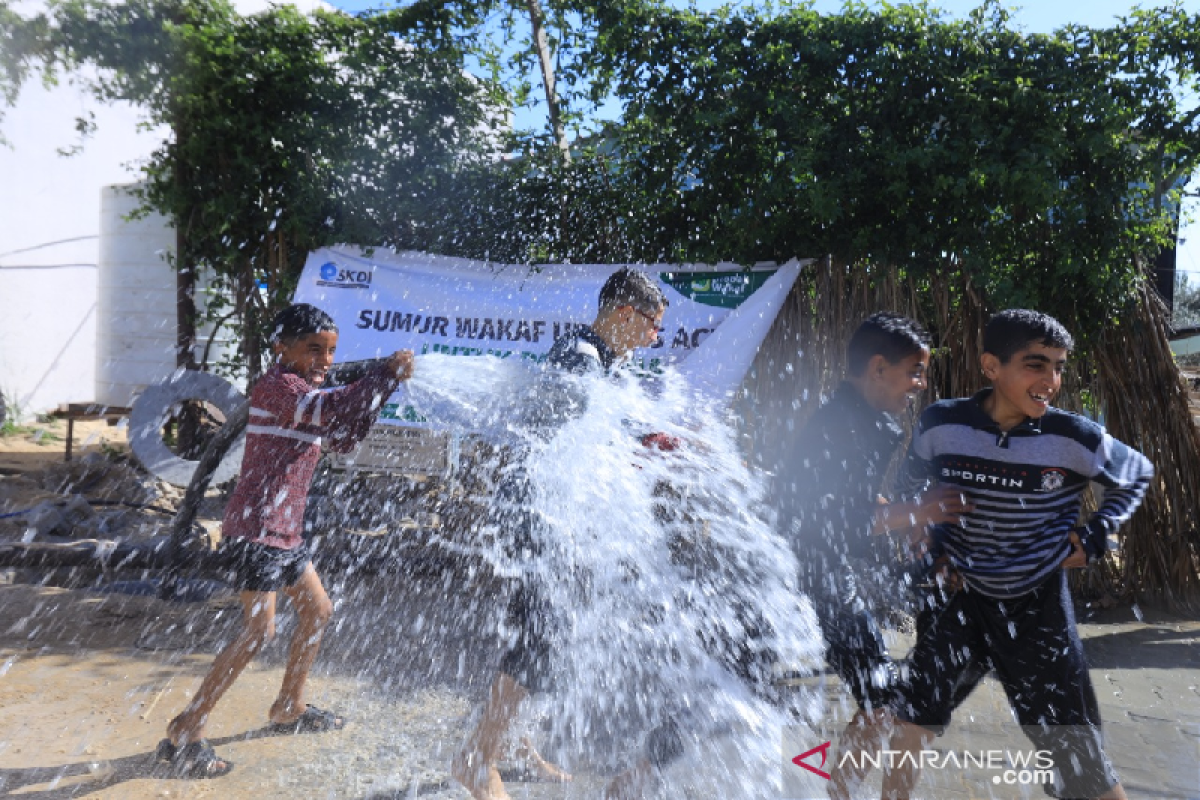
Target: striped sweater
<point>1025,484</point>
<point>289,419</point>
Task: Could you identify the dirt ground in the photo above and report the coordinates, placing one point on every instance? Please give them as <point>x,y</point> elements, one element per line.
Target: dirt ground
<point>40,444</point>
<point>88,682</point>
<point>89,677</point>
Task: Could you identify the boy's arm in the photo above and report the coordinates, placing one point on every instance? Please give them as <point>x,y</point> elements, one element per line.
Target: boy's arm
<point>934,506</point>
<point>350,410</point>
<point>925,504</point>
<point>1125,475</point>
<point>916,472</point>
<point>342,415</point>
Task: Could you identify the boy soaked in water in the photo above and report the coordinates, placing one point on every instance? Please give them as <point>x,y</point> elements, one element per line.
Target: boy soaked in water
<point>1024,466</point>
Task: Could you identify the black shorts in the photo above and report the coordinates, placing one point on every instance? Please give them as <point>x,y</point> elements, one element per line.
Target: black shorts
<point>529,615</point>
<point>1032,644</point>
<point>256,567</point>
<point>527,660</point>
<point>931,604</point>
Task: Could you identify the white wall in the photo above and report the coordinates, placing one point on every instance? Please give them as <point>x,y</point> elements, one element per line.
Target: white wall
<point>47,337</point>
<point>49,234</point>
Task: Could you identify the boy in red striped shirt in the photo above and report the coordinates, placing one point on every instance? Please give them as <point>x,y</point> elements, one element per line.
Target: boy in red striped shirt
<point>262,530</point>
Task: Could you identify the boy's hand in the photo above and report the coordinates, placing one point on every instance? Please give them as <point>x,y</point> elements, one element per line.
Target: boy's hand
<point>942,504</point>
<point>917,542</point>
<point>946,576</point>
<point>1078,557</point>
<point>939,504</point>
<point>401,363</point>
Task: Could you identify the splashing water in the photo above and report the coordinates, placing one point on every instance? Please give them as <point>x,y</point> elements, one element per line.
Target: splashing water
<point>672,601</point>
<point>476,394</point>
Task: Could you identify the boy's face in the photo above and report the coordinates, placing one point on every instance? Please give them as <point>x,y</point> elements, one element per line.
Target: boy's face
<point>635,328</point>
<point>309,356</point>
<point>1025,385</point>
<point>892,386</point>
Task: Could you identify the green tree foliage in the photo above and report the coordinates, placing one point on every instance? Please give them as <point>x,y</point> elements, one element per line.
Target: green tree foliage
<point>1025,162</point>
<point>288,132</point>
<point>1032,163</point>
<point>19,39</point>
<point>1043,168</point>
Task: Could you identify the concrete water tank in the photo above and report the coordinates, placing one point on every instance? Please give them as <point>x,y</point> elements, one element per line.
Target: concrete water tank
<point>135,308</point>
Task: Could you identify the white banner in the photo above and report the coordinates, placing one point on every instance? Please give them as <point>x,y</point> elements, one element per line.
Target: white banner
<point>433,304</point>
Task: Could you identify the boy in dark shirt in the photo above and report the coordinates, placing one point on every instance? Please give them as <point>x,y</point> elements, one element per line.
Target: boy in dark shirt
<point>835,510</point>
<point>631,308</point>
<point>262,536</point>
<point>1024,465</point>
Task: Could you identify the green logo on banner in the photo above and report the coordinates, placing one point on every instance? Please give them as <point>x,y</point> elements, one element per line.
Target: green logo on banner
<point>720,289</point>
<point>407,414</point>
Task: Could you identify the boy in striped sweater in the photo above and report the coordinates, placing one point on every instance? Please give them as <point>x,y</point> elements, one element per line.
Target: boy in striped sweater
<point>1024,466</point>
<point>262,531</point>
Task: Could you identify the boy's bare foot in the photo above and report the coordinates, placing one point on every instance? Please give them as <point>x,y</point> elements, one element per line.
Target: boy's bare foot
<point>538,767</point>
<point>481,780</point>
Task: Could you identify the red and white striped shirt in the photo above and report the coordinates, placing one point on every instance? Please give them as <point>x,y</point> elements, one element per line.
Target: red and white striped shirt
<point>289,420</point>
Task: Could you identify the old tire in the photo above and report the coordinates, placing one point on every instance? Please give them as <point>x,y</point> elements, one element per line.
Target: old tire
<point>150,412</point>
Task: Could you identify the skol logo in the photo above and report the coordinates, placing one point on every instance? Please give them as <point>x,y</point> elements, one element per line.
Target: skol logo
<point>333,275</point>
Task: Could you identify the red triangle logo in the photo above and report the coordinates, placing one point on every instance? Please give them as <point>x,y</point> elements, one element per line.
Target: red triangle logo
<point>823,748</point>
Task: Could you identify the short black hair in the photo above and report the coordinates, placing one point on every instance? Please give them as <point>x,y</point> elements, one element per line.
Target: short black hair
<point>631,287</point>
<point>298,320</point>
<point>1013,330</point>
<point>888,334</point>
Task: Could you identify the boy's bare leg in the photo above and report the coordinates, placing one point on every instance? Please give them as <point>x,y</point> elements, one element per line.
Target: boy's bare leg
<point>866,733</point>
<point>313,612</point>
<point>898,783</point>
<point>475,766</point>
<point>258,614</point>
<point>1115,793</point>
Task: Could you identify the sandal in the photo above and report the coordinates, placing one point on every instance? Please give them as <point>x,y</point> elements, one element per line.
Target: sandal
<point>313,720</point>
<point>192,760</point>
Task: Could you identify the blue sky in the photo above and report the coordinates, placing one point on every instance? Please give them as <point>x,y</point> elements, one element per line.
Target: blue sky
<point>1043,16</point>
